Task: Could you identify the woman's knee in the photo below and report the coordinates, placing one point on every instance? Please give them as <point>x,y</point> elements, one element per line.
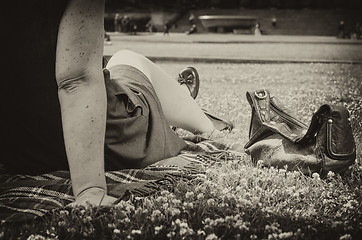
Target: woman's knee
<point>125,57</point>
<point>130,58</point>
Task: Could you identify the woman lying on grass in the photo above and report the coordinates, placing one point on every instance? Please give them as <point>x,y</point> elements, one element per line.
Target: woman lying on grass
<point>76,120</point>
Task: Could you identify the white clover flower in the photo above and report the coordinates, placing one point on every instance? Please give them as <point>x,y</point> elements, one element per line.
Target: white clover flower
<point>171,234</point>
<point>330,174</point>
<point>206,221</point>
<point>165,192</point>
<point>273,236</point>
<point>285,235</point>
<point>183,231</point>
<point>116,231</point>
<point>219,221</point>
<point>64,212</point>
<point>200,196</point>
<point>346,237</point>
<point>189,195</point>
<point>282,171</point>
<point>134,232</point>
<point>229,219</point>
<point>242,225</point>
<point>253,237</point>
<point>61,224</point>
<point>260,163</point>
<point>155,215</point>
<point>211,236</point>
<point>188,205</point>
<point>316,176</point>
<point>158,229</point>
<point>121,204</point>
<point>176,201</point>
<point>130,208</point>
<point>161,199</point>
<point>71,230</point>
<point>36,237</point>
<point>210,202</point>
<point>190,231</point>
<point>174,211</point>
<point>184,225</point>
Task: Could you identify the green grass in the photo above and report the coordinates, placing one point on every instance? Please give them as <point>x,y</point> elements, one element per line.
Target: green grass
<point>235,200</point>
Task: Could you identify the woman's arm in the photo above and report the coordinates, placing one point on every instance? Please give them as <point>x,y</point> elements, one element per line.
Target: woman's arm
<point>82,97</point>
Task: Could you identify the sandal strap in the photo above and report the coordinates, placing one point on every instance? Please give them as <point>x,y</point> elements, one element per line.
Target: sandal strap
<point>189,76</point>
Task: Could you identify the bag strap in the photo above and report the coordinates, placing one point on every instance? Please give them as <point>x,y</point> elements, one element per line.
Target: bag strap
<point>315,124</point>
<point>259,102</point>
<point>269,117</point>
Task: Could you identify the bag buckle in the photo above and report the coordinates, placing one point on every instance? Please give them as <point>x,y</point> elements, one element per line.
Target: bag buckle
<point>261,94</point>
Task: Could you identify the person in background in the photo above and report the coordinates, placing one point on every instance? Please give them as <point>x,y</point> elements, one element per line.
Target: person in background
<point>193,26</point>
<point>134,29</point>
<point>358,31</point>
<point>107,38</point>
<point>166,29</point>
<point>193,29</point>
<point>117,20</point>
<point>341,33</point>
<point>191,19</point>
<point>126,23</point>
<point>274,22</point>
<point>257,31</point>
<point>149,26</point>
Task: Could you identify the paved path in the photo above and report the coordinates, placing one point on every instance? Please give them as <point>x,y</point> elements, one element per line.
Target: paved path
<point>238,48</point>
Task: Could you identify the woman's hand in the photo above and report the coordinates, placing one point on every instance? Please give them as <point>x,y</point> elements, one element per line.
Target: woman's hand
<point>95,197</point>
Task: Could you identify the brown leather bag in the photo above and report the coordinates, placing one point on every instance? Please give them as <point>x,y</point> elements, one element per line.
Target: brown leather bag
<point>280,139</point>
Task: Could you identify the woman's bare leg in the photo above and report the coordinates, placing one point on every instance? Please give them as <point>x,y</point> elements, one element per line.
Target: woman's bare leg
<point>180,109</point>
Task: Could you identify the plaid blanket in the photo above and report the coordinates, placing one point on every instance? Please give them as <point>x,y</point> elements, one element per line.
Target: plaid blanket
<point>24,197</point>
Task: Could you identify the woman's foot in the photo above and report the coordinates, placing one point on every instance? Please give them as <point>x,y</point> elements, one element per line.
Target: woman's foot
<point>190,77</point>
<point>219,123</point>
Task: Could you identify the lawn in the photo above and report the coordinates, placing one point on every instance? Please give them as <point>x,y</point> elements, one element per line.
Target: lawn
<point>234,199</point>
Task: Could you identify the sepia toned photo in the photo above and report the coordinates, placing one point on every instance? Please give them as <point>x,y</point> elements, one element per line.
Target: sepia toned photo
<point>182,120</point>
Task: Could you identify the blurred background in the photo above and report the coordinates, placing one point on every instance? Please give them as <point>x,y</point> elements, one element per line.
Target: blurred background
<point>272,17</point>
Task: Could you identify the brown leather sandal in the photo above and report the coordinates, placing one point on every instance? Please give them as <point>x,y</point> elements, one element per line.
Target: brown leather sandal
<point>190,77</point>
